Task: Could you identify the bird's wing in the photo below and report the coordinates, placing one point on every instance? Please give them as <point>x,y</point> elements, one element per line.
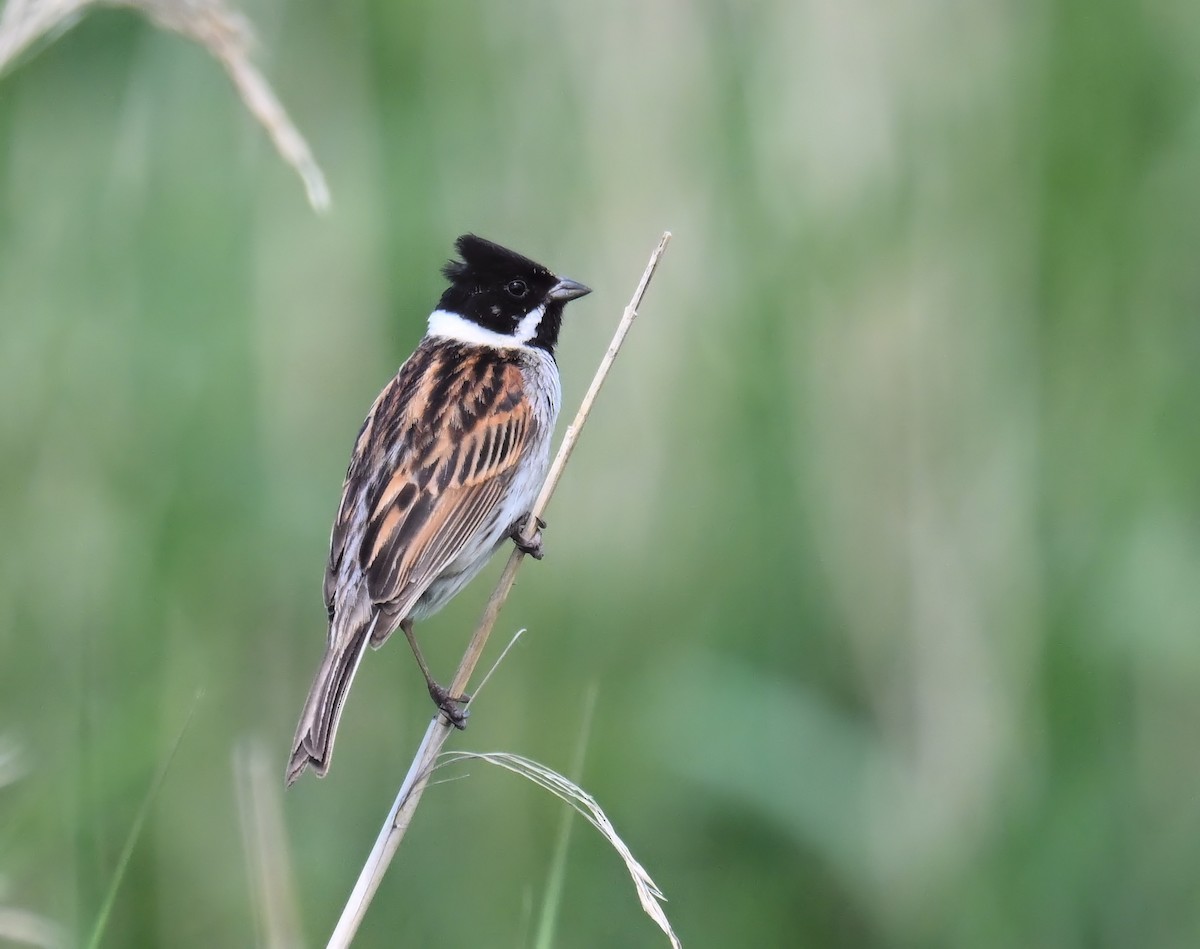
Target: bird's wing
<point>434,459</point>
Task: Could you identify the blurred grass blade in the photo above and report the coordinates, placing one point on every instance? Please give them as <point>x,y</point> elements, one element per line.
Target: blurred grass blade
<point>12,762</point>
<point>650,896</point>
<point>548,918</point>
<point>20,926</point>
<point>268,862</point>
<point>23,928</point>
<point>26,22</point>
<point>136,830</point>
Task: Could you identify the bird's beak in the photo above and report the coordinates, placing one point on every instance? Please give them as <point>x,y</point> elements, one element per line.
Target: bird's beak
<point>566,290</point>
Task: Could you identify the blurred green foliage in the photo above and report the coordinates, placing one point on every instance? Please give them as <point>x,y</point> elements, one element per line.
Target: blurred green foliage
<point>882,547</point>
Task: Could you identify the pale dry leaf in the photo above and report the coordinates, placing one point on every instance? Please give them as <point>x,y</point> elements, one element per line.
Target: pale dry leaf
<point>650,896</point>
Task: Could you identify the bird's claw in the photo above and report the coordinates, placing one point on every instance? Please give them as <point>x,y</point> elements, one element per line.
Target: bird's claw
<point>449,705</point>
<point>528,545</point>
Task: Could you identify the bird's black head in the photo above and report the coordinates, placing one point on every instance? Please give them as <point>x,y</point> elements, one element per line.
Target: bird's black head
<point>502,292</point>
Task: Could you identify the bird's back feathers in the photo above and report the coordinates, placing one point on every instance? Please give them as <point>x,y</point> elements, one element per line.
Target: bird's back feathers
<point>430,492</point>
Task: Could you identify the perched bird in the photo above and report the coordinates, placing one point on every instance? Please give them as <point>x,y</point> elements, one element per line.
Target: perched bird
<point>445,468</point>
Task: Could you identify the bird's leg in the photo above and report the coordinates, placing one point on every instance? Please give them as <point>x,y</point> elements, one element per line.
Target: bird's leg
<point>449,704</point>
<point>527,545</point>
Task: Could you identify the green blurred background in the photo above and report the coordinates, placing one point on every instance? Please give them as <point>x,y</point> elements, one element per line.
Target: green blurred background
<point>881,550</point>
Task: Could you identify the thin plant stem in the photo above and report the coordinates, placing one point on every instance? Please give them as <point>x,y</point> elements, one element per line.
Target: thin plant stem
<point>135,831</point>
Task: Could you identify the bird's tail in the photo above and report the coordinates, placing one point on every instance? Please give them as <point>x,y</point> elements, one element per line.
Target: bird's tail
<point>313,744</point>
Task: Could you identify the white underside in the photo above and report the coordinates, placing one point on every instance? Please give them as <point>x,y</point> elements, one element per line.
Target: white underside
<point>479,548</point>
<point>453,326</point>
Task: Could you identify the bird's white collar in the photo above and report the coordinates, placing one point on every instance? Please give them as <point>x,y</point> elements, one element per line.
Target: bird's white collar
<point>457,327</point>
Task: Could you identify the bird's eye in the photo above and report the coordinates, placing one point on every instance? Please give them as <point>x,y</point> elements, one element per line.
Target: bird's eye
<point>517,289</point>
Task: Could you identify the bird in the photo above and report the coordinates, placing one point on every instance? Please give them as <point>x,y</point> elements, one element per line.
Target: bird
<point>444,470</point>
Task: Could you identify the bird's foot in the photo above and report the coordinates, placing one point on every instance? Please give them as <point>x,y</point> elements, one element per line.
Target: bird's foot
<point>528,545</point>
<point>449,705</point>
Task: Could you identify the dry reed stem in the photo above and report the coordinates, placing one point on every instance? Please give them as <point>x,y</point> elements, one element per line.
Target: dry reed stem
<point>438,731</point>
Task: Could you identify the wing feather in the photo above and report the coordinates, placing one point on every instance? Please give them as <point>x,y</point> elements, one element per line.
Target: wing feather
<point>413,546</point>
<point>439,450</point>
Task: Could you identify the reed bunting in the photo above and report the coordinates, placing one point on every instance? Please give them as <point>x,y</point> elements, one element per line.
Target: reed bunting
<point>445,468</point>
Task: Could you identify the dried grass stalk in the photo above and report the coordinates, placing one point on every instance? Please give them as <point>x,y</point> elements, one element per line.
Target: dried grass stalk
<point>224,32</point>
